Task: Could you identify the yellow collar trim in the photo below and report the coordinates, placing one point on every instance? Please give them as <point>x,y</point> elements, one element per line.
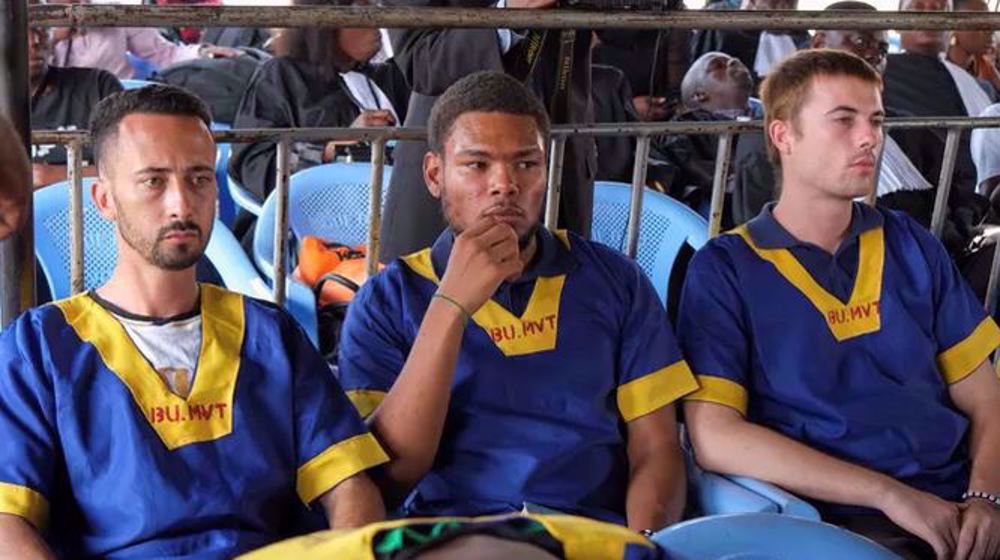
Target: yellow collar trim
<point>537,330</point>
<point>207,412</point>
<point>861,314</point>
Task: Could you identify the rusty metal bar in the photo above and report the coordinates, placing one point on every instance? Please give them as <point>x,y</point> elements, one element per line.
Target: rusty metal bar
<point>375,207</point>
<point>638,190</point>
<point>249,135</point>
<point>17,255</point>
<point>944,182</point>
<point>557,154</point>
<point>74,169</point>
<point>723,155</point>
<point>94,15</point>
<point>281,221</point>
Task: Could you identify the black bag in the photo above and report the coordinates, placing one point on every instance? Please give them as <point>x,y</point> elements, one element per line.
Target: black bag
<point>219,82</point>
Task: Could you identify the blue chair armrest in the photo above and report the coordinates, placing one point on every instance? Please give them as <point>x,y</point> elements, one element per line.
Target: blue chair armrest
<point>301,304</point>
<point>788,503</point>
<point>233,265</point>
<point>718,495</point>
<point>242,197</point>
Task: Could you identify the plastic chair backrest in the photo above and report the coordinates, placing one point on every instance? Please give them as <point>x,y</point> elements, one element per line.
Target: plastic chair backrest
<point>765,536</point>
<point>141,68</point>
<point>666,225</point>
<point>328,201</point>
<point>227,209</point>
<point>135,84</point>
<point>52,246</point>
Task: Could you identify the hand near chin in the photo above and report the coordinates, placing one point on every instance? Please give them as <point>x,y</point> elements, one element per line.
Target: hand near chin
<point>482,257</point>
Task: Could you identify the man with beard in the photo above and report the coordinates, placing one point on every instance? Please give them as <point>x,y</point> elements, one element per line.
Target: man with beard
<point>510,367</point>
<point>157,417</point>
<point>61,99</point>
<point>840,353</point>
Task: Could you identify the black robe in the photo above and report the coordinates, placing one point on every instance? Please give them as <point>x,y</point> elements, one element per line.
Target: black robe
<point>613,104</point>
<point>434,59</point>
<point>286,93</point>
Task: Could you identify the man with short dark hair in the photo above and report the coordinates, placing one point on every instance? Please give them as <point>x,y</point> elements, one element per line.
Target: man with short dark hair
<point>61,99</point>
<point>510,367</point>
<point>840,353</point>
<point>157,417</point>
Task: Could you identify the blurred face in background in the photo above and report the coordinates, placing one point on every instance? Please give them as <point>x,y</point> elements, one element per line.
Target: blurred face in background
<point>926,42</point>
<point>872,46</point>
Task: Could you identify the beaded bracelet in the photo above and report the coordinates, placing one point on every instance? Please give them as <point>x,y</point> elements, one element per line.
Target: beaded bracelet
<point>993,499</point>
<point>465,314</point>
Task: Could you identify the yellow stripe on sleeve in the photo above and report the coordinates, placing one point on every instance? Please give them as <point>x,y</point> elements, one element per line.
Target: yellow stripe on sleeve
<point>366,401</point>
<point>655,390</point>
<point>24,502</point>
<point>722,391</point>
<point>339,462</point>
<point>959,361</point>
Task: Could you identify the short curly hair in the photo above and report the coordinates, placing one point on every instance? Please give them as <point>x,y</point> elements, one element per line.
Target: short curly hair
<point>486,92</point>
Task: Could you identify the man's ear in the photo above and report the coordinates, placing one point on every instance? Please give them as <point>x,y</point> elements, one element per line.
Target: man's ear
<point>780,133</point>
<point>100,191</point>
<point>433,170</point>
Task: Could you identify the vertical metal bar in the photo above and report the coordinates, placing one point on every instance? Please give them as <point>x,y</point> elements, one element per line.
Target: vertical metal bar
<point>872,196</point>
<point>557,152</point>
<point>944,182</point>
<point>280,221</point>
<point>638,189</point>
<point>17,256</point>
<point>74,168</point>
<point>723,155</point>
<point>991,286</point>
<point>375,206</point>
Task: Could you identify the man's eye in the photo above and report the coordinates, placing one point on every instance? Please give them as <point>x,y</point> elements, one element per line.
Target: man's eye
<point>152,182</point>
<point>476,165</point>
<point>527,164</point>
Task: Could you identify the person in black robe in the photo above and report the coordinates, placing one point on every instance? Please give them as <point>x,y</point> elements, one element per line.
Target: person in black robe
<point>654,63</point>
<point>305,86</point>
<point>432,60</point>
<point>61,99</point>
<point>612,97</point>
<point>744,44</point>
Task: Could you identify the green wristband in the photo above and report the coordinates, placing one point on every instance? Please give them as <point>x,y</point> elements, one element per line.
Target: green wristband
<point>465,314</point>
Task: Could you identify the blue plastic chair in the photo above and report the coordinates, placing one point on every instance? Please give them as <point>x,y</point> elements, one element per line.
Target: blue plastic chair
<point>227,209</point>
<point>135,84</point>
<point>241,196</point>
<point>328,201</point>
<point>141,68</point>
<point>666,226</point>
<point>765,536</point>
<point>52,246</point>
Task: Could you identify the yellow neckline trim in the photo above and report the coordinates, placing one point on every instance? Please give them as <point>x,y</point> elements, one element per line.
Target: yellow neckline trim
<point>536,330</point>
<point>861,314</point>
<point>207,412</point>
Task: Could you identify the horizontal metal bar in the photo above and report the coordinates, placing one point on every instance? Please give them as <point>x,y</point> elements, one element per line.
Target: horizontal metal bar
<point>603,129</point>
<point>92,15</point>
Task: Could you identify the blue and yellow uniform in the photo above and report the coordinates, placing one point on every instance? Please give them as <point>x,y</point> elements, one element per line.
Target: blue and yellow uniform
<point>549,371</point>
<point>102,457</point>
<point>562,536</point>
<point>851,353</point>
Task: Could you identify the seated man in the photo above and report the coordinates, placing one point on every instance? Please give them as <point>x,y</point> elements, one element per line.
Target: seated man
<point>14,186</point>
<point>155,416</point>
<point>61,99</point>
<point>911,161</point>
<point>839,351</point>
<point>717,87</point>
<point>510,367</point>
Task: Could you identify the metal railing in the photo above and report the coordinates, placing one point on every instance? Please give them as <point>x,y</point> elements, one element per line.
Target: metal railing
<point>642,132</point>
<point>18,267</point>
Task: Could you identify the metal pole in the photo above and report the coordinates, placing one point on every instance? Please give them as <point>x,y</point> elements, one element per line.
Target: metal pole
<point>638,190</point>
<point>375,207</point>
<point>74,168</point>
<point>407,17</point>
<point>991,286</point>
<point>557,153</point>
<point>722,157</point>
<point>280,221</point>
<point>944,182</point>
<point>17,257</point>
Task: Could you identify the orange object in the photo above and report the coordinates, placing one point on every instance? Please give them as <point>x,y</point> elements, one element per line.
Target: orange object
<point>340,268</point>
